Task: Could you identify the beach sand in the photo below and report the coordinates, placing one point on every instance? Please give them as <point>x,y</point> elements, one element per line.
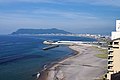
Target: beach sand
<point>83,66</point>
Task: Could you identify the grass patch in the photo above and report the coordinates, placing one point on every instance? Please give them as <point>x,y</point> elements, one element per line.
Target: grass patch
<point>105,51</point>
<point>102,50</point>
<point>103,56</point>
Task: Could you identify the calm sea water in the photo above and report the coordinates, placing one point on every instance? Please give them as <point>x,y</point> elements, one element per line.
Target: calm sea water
<point>22,56</point>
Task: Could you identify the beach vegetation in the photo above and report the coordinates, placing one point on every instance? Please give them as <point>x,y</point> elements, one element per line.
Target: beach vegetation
<point>105,51</point>
<point>103,56</point>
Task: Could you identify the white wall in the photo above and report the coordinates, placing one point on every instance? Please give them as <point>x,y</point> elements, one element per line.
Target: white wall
<point>115,35</point>
<point>117,25</point>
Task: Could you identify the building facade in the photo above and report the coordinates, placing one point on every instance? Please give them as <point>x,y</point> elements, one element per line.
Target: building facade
<point>114,52</point>
<point>113,58</point>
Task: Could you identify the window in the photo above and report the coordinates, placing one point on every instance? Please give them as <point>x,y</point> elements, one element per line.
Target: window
<point>110,57</point>
<point>109,48</point>
<point>110,62</point>
<point>110,43</point>
<point>116,43</point>
<point>109,53</point>
<point>116,47</point>
<point>109,67</point>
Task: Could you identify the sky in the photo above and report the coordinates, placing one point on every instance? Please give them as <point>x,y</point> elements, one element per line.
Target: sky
<point>76,16</point>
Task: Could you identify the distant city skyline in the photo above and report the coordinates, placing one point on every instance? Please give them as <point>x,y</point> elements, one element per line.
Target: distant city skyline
<point>76,16</point>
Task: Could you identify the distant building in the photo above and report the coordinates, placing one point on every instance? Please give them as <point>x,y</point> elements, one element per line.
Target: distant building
<point>114,52</point>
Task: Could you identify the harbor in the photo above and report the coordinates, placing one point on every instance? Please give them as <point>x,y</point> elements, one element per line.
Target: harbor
<point>72,42</point>
<point>53,44</point>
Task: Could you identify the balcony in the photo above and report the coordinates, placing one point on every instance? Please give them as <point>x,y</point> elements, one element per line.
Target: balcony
<point>110,50</point>
<point>110,64</point>
<point>110,70</point>
<point>109,45</point>
<point>110,59</point>
<point>110,55</point>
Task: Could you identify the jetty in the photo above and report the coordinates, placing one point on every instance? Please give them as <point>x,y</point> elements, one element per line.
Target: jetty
<point>50,47</point>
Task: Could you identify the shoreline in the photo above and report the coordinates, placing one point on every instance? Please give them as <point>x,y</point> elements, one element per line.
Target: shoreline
<point>58,69</point>
<point>44,73</point>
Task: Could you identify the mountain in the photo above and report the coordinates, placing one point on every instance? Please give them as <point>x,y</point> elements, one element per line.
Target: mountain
<point>40,31</point>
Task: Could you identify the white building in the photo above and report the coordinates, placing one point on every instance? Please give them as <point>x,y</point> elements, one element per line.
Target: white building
<point>114,52</point>
<point>116,34</point>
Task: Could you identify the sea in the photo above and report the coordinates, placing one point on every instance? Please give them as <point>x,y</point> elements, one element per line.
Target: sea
<point>22,56</point>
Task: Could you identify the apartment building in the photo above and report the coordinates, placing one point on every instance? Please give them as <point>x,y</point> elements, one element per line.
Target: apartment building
<point>113,57</point>
<point>114,52</point>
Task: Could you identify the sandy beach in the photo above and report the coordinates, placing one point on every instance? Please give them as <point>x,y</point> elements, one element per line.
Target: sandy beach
<point>83,66</point>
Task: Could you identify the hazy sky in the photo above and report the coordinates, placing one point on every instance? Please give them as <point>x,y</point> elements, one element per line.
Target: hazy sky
<point>78,16</point>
